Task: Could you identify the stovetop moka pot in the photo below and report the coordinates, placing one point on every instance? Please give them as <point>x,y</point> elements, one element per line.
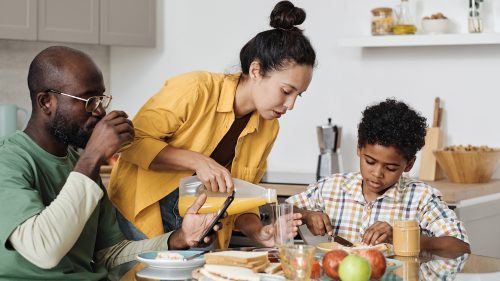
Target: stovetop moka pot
<point>329,161</point>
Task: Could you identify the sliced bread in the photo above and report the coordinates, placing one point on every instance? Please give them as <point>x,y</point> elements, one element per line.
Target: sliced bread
<point>226,272</point>
<point>273,268</point>
<point>236,257</point>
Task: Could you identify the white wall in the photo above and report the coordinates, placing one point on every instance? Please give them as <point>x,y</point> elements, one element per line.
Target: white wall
<point>207,35</point>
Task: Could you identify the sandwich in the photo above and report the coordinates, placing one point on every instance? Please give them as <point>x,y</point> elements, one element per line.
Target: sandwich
<point>228,273</point>
<point>256,261</point>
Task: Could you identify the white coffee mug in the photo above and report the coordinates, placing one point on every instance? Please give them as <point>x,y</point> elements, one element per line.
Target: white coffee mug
<point>8,118</point>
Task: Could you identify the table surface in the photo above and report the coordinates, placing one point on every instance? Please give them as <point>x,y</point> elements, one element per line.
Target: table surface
<point>429,266</point>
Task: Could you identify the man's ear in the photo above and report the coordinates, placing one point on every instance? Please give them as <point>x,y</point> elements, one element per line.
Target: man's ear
<point>45,102</point>
<point>254,70</point>
<point>410,164</point>
<point>358,151</point>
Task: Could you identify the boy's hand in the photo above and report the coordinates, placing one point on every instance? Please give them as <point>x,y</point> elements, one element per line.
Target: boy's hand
<point>317,222</point>
<point>379,232</point>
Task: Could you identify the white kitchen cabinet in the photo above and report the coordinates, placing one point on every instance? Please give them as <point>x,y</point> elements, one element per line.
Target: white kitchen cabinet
<point>75,21</point>
<point>18,19</point>
<point>481,217</point>
<point>107,22</point>
<point>128,22</point>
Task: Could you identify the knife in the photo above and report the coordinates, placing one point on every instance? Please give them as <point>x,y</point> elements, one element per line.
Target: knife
<point>195,255</point>
<point>243,249</point>
<point>342,241</point>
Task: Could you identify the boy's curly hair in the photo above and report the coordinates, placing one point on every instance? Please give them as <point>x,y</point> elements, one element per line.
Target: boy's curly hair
<point>393,123</point>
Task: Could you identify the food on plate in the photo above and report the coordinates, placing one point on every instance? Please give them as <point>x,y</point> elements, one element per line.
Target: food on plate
<point>226,272</point>
<point>273,268</point>
<point>331,262</point>
<point>354,268</point>
<point>256,261</point>
<point>385,248</point>
<point>377,262</point>
<point>171,256</point>
<point>437,16</point>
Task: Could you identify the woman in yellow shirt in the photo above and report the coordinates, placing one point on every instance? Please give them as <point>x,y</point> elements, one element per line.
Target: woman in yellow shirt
<point>215,125</point>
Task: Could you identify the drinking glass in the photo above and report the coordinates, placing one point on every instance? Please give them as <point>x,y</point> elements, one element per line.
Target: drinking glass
<point>296,261</point>
<point>282,219</point>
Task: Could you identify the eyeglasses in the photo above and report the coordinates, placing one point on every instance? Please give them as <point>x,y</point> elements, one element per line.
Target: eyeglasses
<point>92,103</point>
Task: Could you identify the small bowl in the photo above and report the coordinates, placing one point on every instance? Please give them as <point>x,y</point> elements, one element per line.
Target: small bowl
<point>468,166</point>
<point>435,26</point>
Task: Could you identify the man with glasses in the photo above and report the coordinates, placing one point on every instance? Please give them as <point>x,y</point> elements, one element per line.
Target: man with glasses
<point>57,222</point>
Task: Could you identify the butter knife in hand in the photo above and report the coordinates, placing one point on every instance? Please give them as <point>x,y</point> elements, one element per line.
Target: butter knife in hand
<point>342,241</point>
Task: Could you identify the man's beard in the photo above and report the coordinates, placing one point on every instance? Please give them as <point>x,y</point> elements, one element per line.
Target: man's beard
<point>67,132</point>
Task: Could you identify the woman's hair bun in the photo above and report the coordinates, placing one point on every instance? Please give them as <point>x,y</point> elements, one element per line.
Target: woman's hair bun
<point>285,15</point>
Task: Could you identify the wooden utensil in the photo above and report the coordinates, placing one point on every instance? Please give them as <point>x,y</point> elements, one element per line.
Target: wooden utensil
<point>429,167</point>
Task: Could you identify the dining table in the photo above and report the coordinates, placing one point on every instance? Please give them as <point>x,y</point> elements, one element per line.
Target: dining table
<point>429,265</point>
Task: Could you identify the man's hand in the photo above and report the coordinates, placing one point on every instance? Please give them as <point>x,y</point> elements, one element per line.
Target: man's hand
<point>317,222</point>
<point>213,176</point>
<point>379,232</point>
<point>193,226</point>
<point>110,133</point>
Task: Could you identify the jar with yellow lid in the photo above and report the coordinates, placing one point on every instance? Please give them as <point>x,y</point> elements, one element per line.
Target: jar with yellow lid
<point>406,238</point>
<point>382,21</point>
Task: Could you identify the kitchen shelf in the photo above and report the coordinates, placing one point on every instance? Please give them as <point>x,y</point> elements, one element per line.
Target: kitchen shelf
<point>421,40</point>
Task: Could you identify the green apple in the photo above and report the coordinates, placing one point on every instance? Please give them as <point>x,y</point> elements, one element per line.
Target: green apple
<point>354,268</point>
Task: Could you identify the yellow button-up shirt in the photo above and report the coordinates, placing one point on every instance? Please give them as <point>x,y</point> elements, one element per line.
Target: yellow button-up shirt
<point>192,111</point>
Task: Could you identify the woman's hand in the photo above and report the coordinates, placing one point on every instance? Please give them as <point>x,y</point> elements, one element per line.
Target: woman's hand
<point>379,232</point>
<point>213,176</point>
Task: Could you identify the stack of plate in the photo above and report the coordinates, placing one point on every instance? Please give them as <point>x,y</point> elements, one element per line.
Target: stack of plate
<point>169,269</point>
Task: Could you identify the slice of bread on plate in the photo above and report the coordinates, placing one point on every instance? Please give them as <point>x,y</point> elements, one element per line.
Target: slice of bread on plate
<point>385,248</point>
<point>256,261</point>
<point>236,257</point>
<point>228,273</point>
<point>273,268</point>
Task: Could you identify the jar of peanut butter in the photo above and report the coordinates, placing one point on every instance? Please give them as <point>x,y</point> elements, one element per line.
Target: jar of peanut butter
<point>410,270</point>
<point>406,238</point>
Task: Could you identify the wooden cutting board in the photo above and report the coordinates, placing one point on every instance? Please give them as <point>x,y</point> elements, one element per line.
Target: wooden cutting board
<point>429,168</point>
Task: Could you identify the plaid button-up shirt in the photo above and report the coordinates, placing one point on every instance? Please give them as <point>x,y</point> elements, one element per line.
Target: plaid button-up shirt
<point>340,196</point>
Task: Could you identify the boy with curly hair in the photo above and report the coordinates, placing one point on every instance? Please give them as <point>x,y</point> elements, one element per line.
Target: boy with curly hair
<point>362,206</point>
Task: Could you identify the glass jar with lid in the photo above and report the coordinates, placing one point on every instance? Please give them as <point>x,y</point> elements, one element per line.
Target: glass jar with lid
<point>382,21</point>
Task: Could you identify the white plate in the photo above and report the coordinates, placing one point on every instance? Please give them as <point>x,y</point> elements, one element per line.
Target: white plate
<point>159,273</point>
<point>263,277</point>
<point>149,258</point>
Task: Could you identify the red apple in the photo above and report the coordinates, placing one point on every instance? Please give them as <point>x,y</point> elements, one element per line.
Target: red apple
<point>377,262</point>
<point>331,262</point>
